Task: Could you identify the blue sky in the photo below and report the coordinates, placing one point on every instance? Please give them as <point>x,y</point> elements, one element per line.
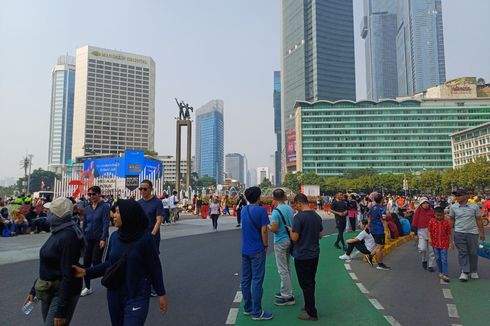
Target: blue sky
<point>226,49</point>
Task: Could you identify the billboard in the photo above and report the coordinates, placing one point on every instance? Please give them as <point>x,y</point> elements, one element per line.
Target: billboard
<point>291,147</point>
<point>133,163</point>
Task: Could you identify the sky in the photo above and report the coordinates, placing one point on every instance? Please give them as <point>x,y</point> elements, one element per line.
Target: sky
<point>212,49</point>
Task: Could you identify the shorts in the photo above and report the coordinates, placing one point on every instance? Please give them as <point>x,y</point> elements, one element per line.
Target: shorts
<point>379,239</point>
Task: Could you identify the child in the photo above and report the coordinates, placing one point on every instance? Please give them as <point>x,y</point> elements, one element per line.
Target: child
<point>364,242</point>
<point>440,239</point>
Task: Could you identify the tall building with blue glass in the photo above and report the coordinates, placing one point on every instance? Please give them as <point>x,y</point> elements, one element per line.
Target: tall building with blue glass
<point>210,140</point>
<point>420,46</point>
<point>317,59</point>
<point>277,126</point>
<point>61,117</point>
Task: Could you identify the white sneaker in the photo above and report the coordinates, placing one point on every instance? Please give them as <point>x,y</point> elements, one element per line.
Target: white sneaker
<point>463,277</point>
<point>474,276</point>
<point>86,292</point>
<point>344,257</point>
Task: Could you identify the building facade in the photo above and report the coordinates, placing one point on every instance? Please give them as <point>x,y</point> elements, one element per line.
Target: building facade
<point>469,144</point>
<point>61,117</point>
<point>170,167</point>
<point>210,140</point>
<point>317,59</point>
<point>262,173</point>
<point>114,106</point>
<point>277,126</point>
<point>235,167</point>
<point>420,46</point>
<point>389,136</point>
<point>379,29</point>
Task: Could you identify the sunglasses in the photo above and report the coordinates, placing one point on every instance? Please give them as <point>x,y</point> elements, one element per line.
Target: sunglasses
<point>143,189</point>
<point>92,194</point>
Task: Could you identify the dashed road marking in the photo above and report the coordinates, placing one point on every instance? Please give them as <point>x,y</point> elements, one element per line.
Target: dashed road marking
<point>362,288</point>
<point>347,267</point>
<point>238,297</point>
<point>447,294</point>
<point>376,304</point>
<point>392,321</point>
<point>353,276</point>
<point>452,311</point>
<point>232,315</point>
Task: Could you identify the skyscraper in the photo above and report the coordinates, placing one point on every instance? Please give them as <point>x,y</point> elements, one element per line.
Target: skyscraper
<point>235,166</point>
<point>379,29</point>
<point>317,59</point>
<point>277,127</point>
<point>61,121</point>
<point>210,140</point>
<point>114,102</point>
<point>420,46</point>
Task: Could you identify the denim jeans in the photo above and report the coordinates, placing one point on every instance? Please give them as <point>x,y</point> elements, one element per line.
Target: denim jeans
<point>441,259</point>
<point>253,272</point>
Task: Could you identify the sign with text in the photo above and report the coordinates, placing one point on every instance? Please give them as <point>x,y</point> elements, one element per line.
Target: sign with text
<point>132,182</point>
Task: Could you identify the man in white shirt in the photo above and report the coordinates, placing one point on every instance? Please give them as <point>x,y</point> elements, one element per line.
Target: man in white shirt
<point>174,211</point>
<point>364,242</point>
<point>166,209</point>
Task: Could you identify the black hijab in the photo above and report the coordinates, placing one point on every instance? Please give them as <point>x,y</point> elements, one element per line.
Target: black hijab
<point>134,220</point>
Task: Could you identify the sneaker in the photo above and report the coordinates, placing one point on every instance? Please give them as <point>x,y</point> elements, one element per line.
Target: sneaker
<point>474,276</point>
<point>264,316</point>
<point>247,313</point>
<point>86,292</point>
<point>445,278</point>
<point>305,316</point>
<point>238,225</point>
<point>424,265</point>
<point>278,295</point>
<point>369,259</point>
<point>153,293</point>
<point>463,277</point>
<point>285,302</point>
<point>383,267</point>
<point>431,269</point>
<point>344,257</point>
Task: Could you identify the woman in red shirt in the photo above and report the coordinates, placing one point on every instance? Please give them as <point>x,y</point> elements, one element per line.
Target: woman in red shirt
<point>440,240</point>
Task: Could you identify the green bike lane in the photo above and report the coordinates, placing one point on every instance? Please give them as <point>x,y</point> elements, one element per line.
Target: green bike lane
<point>338,299</point>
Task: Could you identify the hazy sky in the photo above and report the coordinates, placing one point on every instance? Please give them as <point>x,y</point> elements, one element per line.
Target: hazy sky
<point>203,49</point>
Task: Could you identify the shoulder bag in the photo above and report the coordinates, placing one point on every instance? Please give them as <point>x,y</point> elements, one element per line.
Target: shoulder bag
<point>115,274</point>
<point>285,226</point>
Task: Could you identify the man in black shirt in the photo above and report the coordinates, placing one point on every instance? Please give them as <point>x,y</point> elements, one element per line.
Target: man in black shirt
<point>306,232</point>
<point>339,209</point>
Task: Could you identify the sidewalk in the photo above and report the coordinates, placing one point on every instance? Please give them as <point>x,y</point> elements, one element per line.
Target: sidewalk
<point>339,301</point>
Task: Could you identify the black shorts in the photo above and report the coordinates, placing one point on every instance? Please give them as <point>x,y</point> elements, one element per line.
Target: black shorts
<point>379,239</point>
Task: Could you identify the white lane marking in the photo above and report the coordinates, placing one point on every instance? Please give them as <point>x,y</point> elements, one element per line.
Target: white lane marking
<point>452,311</point>
<point>362,288</point>
<point>392,321</point>
<point>238,297</point>
<point>456,325</point>
<point>347,267</point>
<point>232,315</point>
<point>447,294</point>
<point>353,276</point>
<point>443,282</point>
<point>376,304</point>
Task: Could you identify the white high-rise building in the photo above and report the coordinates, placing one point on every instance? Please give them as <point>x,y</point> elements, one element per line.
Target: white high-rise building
<point>262,173</point>
<point>114,102</point>
<point>170,167</point>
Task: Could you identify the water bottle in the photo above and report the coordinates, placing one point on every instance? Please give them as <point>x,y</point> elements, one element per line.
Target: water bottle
<point>27,308</point>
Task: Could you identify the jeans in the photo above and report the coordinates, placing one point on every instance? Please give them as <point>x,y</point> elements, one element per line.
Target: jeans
<point>341,223</point>
<point>359,245</point>
<point>214,217</point>
<point>49,309</point>
<point>253,272</point>
<point>282,251</point>
<point>20,228</point>
<point>239,216</point>
<point>92,256</point>
<point>425,249</point>
<point>166,215</point>
<point>467,245</point>
<point>352,221</point>
<point>126,311</point>
<point>441,259</point>
<point>306,272</point>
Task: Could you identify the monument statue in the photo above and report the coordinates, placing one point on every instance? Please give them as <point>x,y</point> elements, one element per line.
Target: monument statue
<point>184,115</point>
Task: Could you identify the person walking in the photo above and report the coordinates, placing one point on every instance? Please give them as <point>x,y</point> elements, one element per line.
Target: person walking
<point>352,210</point>
<point>421,219</point>
<point>166,209</point>
<point>306,233</point>
<point>56,286</point>
<point>129,300</point>
<point>339,209</point>
<point>174,210</point>
<point>281,219</point>
<point>96,231</point>
<point>254,246</point>
<point>377,215</point>
<point>214,210</point>
<point>468,229</point>
<point>440,240</point>
<point>242,202</point>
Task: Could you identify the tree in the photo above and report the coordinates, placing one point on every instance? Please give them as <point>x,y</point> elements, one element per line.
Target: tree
<point>311,178</point>
<point>292,181</point>
<point>150,153</point>
<point>37,177</point>
<point>206,182</point>
<point>266,183</point>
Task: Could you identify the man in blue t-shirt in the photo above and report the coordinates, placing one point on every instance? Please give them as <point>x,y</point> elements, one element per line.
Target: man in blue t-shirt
<point>282,217</point>
<point>254,246</point>
<point>376,216</point>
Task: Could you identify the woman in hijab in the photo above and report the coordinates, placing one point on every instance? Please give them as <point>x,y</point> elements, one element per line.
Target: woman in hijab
<point>129,302</point>
<point>56,286</point>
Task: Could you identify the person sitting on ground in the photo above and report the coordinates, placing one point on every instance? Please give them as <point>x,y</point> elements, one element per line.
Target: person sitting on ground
<point>440,239</point>
<point>376,217</point>
<point>364,242</point>
<point>394,234</point>
<point>20,224</point>
<point>5,222</point>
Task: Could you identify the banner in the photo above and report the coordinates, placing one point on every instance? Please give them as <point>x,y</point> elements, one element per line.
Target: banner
<point>132,182</point>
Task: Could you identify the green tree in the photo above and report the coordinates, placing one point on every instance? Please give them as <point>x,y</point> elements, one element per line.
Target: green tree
<point>431,181</point>
<point>311,178</point>
<point>206,182</point>
<point>37,177</point>
<point>292,181</point>
<point>266,183</point>
<point>150,153</point>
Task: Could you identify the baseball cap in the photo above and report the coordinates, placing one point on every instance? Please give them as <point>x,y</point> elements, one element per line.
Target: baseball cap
<point>460,192</point>
<point>60,206</point>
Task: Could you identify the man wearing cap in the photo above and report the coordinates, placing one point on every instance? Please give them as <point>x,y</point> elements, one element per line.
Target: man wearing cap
<point>468,229</point>
<point>423,214</point>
